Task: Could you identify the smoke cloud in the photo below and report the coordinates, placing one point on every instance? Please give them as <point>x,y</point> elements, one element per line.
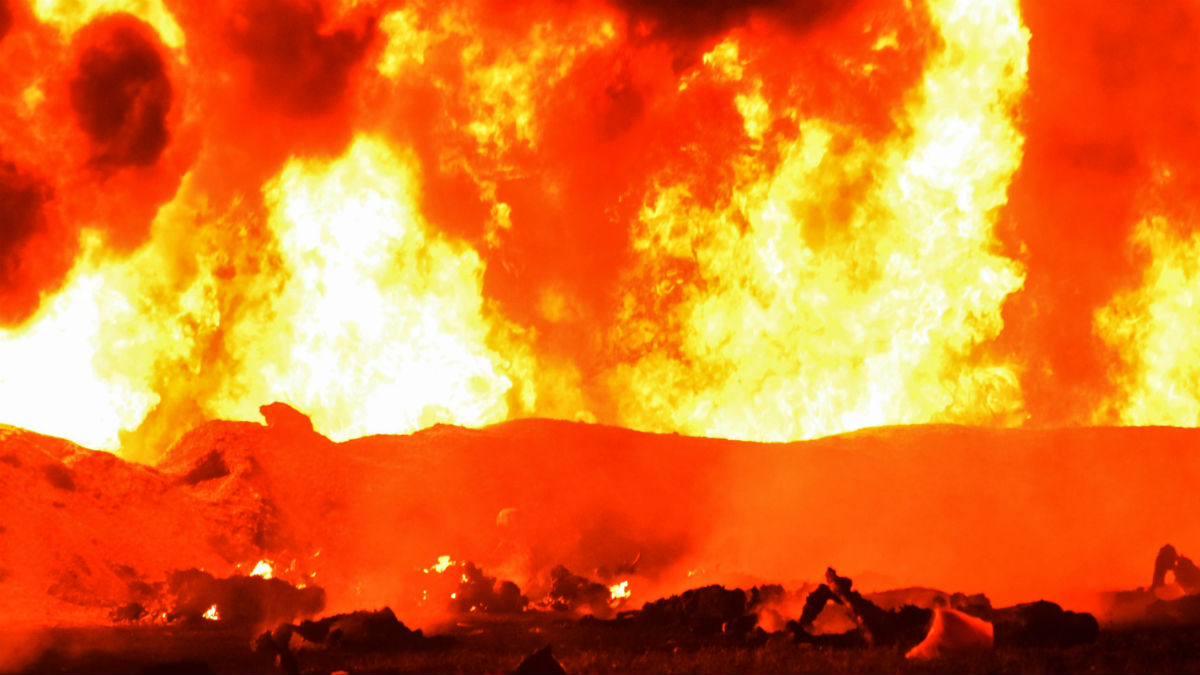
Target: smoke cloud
<point>33,258</point>
<point>6,18</point>
<point>121,93</point>
<point>688,26</point>
<point>294,63</point>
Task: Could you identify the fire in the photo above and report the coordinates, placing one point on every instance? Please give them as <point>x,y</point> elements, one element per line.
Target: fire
<point>263,569</point>
<point>35,389</point>
<point>784,340</point>
<point>1153,329</point>
<point>373,302</point>
<point>70,15</point>
<point>443,563</point>
<point>619,591</point>
<point>772,224</point>
<point>212,614</point>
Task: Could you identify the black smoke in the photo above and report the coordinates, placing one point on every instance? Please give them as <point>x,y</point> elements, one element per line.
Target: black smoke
<point>688,25</point>
<point>293,62</point>
<point>24,267</point>
<point>21,199</point>
<point>6,18</point>
<point>121,93</point>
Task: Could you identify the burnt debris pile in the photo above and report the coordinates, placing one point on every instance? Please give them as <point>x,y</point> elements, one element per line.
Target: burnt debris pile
<point>1034,624</point>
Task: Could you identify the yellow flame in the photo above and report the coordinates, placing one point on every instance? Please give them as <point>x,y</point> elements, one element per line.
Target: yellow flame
<point>443,563</point>
<point>380,325</point>
<point>212,614</point>
<point>365,317</point>
<point>1152,331</point>
<point>854,285</point>
<point>263,569</point>
<point>71,15</point>
<point>619,591</point>
<point>53,380</point>
<point>504,83</point>
<point>407,42</point>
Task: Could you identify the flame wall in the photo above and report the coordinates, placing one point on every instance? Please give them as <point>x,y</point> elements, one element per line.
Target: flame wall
<point>762,220</point>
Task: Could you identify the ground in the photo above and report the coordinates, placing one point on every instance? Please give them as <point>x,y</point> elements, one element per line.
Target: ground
<point>497,645</point>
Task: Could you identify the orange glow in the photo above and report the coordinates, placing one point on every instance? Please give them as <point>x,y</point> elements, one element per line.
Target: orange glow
<point>778,222</point>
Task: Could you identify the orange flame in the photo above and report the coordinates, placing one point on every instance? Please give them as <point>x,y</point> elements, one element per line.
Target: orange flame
<point>786,224</point>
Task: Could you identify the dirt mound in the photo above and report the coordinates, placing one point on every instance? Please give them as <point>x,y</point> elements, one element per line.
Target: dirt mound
<point>938,506</point>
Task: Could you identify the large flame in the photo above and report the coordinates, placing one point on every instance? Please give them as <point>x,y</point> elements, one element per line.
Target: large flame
<point>379,325</point>
<point>800,325</point>
<point>1154,329</point>
<point>772,221</point>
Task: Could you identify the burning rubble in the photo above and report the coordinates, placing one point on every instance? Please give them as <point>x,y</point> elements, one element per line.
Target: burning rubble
<point>241,600</point>
<point>464,588</point>
<point>571,592</point>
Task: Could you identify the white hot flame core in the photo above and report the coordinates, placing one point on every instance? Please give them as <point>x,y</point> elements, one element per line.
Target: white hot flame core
<point>619,591</point>
<point>263,569</point>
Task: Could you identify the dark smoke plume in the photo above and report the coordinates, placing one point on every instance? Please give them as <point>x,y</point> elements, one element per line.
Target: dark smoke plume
<point>29,258</point>
<point>6,18</point>
<point>121,93</point>
<point>21,201</point>
<point>293,61</point>
<point>689,24</point>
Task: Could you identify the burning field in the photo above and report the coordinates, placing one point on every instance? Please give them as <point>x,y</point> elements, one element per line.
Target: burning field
<point>625,326</point>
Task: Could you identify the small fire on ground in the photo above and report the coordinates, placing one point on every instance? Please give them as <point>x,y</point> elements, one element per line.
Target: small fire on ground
<point>619,591</point>
<point>263,569</point>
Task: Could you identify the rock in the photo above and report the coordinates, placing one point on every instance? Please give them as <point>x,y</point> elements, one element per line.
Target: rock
<point>704,611</point>
<point>1043,624</point>
<point>360,631</point>
<point>541,662</point>
<point>285,418</point>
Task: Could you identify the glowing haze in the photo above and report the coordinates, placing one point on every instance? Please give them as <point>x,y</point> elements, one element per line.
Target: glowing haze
<point>764,220</point>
